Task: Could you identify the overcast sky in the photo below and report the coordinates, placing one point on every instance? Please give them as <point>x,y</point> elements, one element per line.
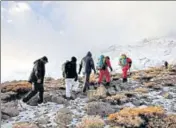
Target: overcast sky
<point>62,29</point>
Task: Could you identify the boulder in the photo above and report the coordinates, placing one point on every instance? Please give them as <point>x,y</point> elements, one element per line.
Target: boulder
<point>63,117</point>
<point>58,99</point>
<point>111,91</point>
<point>99,108</point>
<point>9,109</point>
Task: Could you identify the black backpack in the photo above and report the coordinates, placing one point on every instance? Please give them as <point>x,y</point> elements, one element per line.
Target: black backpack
<point>68,66</point>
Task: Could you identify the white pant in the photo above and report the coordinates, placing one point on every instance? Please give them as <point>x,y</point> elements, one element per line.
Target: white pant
<point>68,84</point>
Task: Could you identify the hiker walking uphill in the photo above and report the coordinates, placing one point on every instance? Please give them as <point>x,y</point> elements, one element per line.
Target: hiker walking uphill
<point>87,64</point>
<point>37,79</point>
<point>125,62</point>
<point>70,76</point>
<point>103,64</point>
<point>166,65</point>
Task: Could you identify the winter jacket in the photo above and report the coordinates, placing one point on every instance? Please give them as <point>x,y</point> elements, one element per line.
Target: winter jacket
<point>70,70</point>
<point>38,71</point>
<point>108,64</point>
<point>87,63</point>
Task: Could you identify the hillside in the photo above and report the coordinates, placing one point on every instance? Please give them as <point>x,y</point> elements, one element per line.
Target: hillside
<point>146,53</point>
<point>147,100</point>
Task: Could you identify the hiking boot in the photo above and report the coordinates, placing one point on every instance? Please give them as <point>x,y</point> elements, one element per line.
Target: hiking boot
<point>24,100</point>
<point>107,84</point>
<point>125,80</point>
<point>40,101</point>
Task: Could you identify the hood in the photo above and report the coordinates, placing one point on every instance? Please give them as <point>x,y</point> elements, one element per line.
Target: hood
<point>89,54</point>
<point>73,59</point>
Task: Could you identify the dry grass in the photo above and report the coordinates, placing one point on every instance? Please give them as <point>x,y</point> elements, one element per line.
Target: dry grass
<point>93,78</point>
<point>141,90</point>
<point>24,125</point>
<point>16,86</point>
<point>91,122</point>
<point>116,97</point>
<point>150,84</point>
<point>130,117</point>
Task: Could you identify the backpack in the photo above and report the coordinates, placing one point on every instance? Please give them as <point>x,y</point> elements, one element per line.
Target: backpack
<point>123,61</point>
<point>63,69</point>
<point>102,62</point>
<point>68,66</point>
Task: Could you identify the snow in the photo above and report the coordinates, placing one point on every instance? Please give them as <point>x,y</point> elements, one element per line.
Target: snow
<point>32,113</point>
<point>145,54</point>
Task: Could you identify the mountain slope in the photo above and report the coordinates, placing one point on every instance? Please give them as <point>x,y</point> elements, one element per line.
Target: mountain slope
<point>145,54</point>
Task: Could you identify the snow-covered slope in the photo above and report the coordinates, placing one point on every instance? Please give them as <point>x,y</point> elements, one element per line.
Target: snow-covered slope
<point>149,52</point>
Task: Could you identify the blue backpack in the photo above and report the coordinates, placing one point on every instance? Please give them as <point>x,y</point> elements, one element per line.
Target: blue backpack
<point>123,61</point>
<point>101,62</point>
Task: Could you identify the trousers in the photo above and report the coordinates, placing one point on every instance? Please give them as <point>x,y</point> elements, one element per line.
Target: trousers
<point>106,74</point>
<point>69,82</point>
<point>86,82</point>
<point>37,88</point>
<point>125,71</point>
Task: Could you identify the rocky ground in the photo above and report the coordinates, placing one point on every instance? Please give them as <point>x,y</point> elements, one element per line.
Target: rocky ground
<point>148,100</point>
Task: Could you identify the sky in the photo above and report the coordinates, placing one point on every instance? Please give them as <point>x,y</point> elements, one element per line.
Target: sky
<point>60,30</point>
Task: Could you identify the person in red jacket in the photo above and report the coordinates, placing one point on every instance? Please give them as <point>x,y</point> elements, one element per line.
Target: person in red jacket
<point>104,70</point>
<point>125,62</point>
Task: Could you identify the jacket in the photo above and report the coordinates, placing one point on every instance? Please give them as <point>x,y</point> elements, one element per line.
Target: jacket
<point>87,64</point>
<point>70,70</point>
<point>38,71</point>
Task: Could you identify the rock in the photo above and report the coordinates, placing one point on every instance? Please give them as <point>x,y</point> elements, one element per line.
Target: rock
<point>129,105</point>
<point>111,91</point>
<point>99,108</point>
<point>173,107</point>
<point>33,101</point>
<point>166,95</point>
<point>9,109</point>
<point>58,99</point>
<point>43,120</point>
<point>117,88</point>
<point>63,117</point>
<point>157,87</point>
<point>4,116</point>
<point>8,96</point>
<point>138,102</point>
<point>101,91</point>
<point>47,97</point>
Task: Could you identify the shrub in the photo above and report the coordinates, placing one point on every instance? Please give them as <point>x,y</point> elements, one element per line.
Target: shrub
<point>133,117</point>
<point>91,122</point>
<point>141,90</point>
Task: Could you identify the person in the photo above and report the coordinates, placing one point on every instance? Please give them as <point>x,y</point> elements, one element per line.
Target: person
<point>125,62</point>
<point>37,78</point>
<point>70,76</point>
<point>166,64</point>
<point>104,63</point>
<point>88,64</point>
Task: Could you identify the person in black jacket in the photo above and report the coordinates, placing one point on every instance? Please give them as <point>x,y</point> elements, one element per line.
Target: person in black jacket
<point>37,78</point>
<point>87,63</point>
<point>166,64</point>
<point>70,76</point>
